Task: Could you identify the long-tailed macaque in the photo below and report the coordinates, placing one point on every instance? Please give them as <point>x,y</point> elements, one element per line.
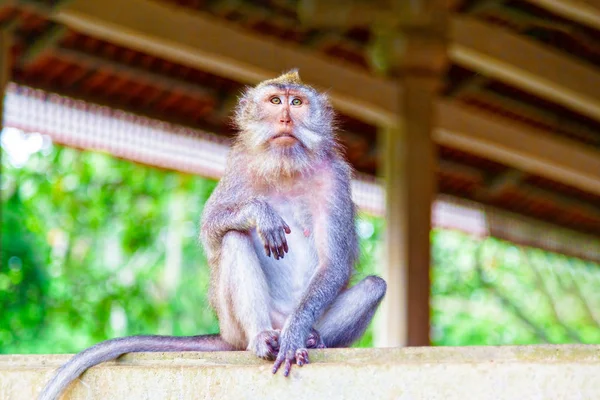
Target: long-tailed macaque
<point>280,239</point>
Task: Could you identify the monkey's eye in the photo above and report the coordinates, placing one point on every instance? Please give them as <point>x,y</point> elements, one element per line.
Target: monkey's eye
<point>275,100</point>
<point>296,102</point>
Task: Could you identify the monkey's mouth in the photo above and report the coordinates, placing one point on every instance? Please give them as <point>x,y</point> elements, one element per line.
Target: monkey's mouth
<point>285,139</point>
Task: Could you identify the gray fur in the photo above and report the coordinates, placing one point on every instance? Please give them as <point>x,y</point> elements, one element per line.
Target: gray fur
<point>114,348</point>
<point>307,188</point>
<point>279,235</point>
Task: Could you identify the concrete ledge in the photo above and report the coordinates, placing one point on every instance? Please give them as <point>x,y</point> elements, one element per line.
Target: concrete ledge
<point>509,372</point>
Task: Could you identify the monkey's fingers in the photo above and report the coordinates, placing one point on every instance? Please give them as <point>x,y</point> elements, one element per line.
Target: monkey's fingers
<point>284,245</point>
<point>267,250</point>
<point>272,342</point>
<point>287,228</point>
<point>270,243</point>
<point>282,357</point>
<point>301,357</point>
<point>275,250</point>
<point>279,244</point>
<point>288,364</point>
<point>279,361</point>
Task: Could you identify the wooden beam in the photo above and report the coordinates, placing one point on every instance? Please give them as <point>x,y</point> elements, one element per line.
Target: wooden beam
<point>473,84</point>
<point>535,114</point>
<point>498,184</point>
<point>586,12</point>
<point>517,145</point>
<point>515,178</point>
<point>482,6</point>
<point>197,40</point>
<point>497,53</point>
<point>526,64</point>
<point>180,35</point>
<point>200,41</point>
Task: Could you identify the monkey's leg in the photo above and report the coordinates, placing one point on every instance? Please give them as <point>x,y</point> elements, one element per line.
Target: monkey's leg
<point>243,298</point>
<point>350,314</point>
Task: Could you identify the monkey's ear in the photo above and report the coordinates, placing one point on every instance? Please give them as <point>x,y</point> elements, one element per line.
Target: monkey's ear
<point>325,100</point>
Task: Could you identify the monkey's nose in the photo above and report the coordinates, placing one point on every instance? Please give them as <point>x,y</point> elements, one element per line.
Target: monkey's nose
<point>285,118</point>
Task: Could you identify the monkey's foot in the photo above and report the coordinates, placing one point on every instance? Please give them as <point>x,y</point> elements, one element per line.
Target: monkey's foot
<point>266,344</point>
<point>314,340</point>
<point>301,357</point>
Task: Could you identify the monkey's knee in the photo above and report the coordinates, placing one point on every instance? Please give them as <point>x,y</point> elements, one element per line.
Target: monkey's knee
<point>375,287</point>
<point>234,240</point>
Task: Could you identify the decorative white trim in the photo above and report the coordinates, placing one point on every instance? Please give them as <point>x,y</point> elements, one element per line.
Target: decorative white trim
<point>88,126</point>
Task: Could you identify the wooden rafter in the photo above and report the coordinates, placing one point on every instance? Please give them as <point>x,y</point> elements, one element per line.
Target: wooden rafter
<point>137,74</point>
<point>519,146</point>
<point>526,64</point>
<point>511,177</point>
<point>500,54</point>
<point>534,114</point>
<point>515,178</point>
<point>195,39</point>
<point>586,12</point>
<point>181,35</point>
<point>43,44</point>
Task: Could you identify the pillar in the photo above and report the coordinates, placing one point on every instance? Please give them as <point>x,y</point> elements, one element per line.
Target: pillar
<point>416,58</point>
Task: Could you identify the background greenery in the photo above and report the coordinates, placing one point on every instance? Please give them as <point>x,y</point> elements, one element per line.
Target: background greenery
<point>95,247</point>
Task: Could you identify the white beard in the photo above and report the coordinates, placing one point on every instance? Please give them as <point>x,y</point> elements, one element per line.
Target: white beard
<point>272,162</point>
<point>275,163</point>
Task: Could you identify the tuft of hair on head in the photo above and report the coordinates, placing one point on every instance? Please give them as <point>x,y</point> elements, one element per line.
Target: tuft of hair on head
<point>291,77</point>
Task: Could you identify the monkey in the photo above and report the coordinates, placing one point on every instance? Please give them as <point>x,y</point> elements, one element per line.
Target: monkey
<point>279,236</point>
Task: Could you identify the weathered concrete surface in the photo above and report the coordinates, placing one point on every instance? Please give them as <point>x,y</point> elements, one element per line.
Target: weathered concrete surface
<point>516,373</point>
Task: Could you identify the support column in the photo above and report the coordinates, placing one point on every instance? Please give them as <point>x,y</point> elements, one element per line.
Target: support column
<point>409,164</point>
<point>417,59</point>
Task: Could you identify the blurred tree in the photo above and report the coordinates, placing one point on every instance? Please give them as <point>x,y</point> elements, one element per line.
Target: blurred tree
<point>95,247</point>
<point>491,292</point>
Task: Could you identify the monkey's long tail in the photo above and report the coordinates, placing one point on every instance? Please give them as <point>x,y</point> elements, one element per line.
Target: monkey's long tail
<point>113,348</point>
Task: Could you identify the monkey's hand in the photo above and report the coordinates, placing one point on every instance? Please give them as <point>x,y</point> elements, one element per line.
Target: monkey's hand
<point>265,344</point>
<point>271,228</point>
<point>291,349</point>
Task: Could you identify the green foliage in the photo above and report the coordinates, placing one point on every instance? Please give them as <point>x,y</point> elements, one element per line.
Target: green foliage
<point>492,292</point>
<point>95,247</point>
<point>85,256</point>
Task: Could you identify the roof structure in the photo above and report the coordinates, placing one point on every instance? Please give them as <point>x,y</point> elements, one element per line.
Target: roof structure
<point>526,73</point>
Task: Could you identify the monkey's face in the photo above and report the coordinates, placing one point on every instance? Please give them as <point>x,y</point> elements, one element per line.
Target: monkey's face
<point>285,111</point>
<point>285,117</point>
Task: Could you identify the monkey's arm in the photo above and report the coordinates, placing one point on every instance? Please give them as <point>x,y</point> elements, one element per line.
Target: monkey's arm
<point>226,211</point>
<point>337,244</point>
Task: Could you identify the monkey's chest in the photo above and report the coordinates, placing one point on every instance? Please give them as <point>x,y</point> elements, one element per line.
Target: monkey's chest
<point>289,277</point>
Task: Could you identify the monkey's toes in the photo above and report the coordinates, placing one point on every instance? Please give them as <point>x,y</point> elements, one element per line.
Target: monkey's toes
<point>314,340</point>
<point>301,357</point>
<point>266,344</point>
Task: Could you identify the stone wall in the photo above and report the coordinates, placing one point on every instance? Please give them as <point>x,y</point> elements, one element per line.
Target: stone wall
<point>511,372</point>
